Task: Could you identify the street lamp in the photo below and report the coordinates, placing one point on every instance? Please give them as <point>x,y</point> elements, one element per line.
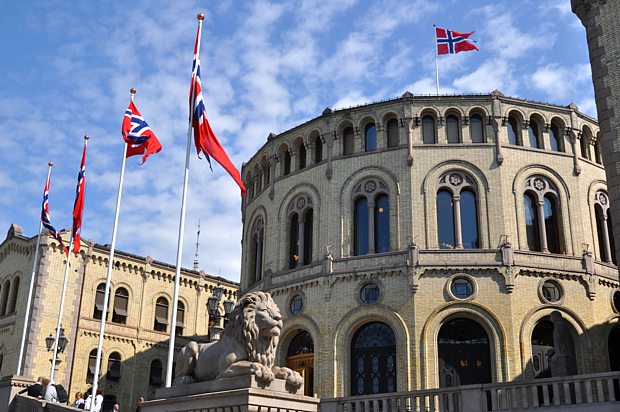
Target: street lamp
<point>213,304</point>
<point>62,341</point>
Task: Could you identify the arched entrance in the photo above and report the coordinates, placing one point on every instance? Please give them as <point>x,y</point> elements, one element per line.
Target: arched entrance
<point>613,346</point>
<point>542,341</point>
<point>464,353</point>
<point>300,358</point>
<point>373,360</point>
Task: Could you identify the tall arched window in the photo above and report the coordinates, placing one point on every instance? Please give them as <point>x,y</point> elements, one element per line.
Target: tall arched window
<point>534,134</point>
<point>318,149</point>
<point>161,314</point>
<point>121,302</point>
<point>457,215</point>
<point>371,220</point>
<point>348,141</point>
<point>542,341</point>
<point>301,220</point>
<point>453,129</point>
<point>585,143</point>
<point>180,318</point>
<point>5,299</point>
<point>156,372</point>
<point>392,133</point>
<point>300,358</point>
<point>542,215</point>
<point>373,360</point>
<point>257,251</point>
<point>114,366</point>
<point>287,163</point>
<point>513,131</point>
<point>597,151</point>
<point>428,130</point>
<point>477,131</point>
<point>555,138</point>
<point>371,137</point>
<point>99,298</point>
<point>15,294</point>
<point>92,360</point>
<point>302,156</point>
<point>606,243</point>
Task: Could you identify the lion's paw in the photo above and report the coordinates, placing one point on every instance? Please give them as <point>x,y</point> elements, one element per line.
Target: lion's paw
<point>262,372</point>
<point>183,380</point>
<point>295,379</point>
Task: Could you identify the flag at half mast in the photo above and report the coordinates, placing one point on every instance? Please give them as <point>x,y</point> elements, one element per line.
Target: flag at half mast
<point>204,138</point>
<point>453,42</point>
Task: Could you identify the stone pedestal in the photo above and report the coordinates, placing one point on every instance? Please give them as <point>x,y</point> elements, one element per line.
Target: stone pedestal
<point>241,394</point>
<point>9,386</point>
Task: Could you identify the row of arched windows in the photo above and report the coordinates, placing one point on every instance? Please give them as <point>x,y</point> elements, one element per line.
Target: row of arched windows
<point>370,137</point>
<point>453,129</point>
<point>114,368</point>
<point>8,304</point>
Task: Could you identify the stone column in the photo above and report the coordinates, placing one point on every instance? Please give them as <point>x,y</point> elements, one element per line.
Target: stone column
<point>499,157</point>
<point>542,230</point>
<point>371,227</point>
<point>329,139</point>
<point>606,238</point>
<point>601,18</point>
<point>458,234</point>
<point>409,123</point>
<point>272,173</point>
<point>259,258</point>
<point>573,142</point>
<point>301,232</point>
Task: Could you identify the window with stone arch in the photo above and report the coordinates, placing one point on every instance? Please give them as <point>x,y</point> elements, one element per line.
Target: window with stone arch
<point>256,251</point>
<point>586,135</point>
<point>457,211</point>
<point>318,149</point>
<point>348,141</point>
<point>370,137</point>
<point>302,156</point>
<point>300,231</point>
<point>535,133</point>
<point>476,128</point>
<point>371,217</point>
<point>514,134</point>
<point>428,130</point>
<point>5,299</point>
<point>555,137</point>
<point>121,303</point>
<point>453,129</point>
<point>542,215</point>
<point>606,242</point>
<point>392,133</point>
<point>161,314</point>
<point>14,295</point>
<point>99,300</point>
<point>597,149</point>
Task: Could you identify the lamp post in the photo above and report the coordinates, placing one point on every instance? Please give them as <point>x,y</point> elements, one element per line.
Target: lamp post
<point>63,341</point>
<point>213,304</point>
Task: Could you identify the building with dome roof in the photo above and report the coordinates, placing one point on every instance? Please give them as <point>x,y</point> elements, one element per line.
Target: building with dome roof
<point>424,242</point>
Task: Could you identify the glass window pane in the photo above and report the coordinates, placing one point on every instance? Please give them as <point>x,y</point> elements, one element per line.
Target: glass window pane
<point>287,162</point>
<point>382,225</point>
<point>370,293</point>
<point>600,231</point>
<point>551,225</point>
<point>308,237</point>
<point>371,137</point>
<point>553,137</point>
<point>349,141</point>
<point>361,227</point>
<point>445,220</point>
<point>453,129</point>
<point>551,291</point>
<point>512,131</point>
<point>302,156</point>
<point>531,223</point>
<point>533,134</point>
<point>392,133</point>
<point>612,242</point>
<point>318,150</point>
<point>294,242</point>
<point>461,288</point>
<point>469,220</point>
<point>428,130</point>
<point>585,149</point>
<point>476,129</point>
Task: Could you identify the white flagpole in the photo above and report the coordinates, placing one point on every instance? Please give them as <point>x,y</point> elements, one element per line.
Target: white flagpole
<point>32,278</point>
<point>436,67</point>
<point>177,275</point>
<point>106,296</point>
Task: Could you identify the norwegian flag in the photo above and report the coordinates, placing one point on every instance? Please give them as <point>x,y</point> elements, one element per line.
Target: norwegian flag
<point>78,206</point>
<point>452,42</point>
<point>45,214</point>
<point>139,137</point>
<point>204,138</point>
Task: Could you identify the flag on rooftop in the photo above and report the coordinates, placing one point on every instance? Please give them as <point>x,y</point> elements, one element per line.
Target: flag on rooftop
<point>139,137</point>
<point>78,206</point>
<point>452,42</point>
<point>45,215</point>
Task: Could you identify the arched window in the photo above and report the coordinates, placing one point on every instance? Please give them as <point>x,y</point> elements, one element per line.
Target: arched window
<point>585,144</point>
<point>257,251</point>
<point>302,156</point>
<point>99,298</point>
<point>541,204</point>
<point>513,131</point>
<point>542,341</point>
<point>121,301</point>
<point>457,215</point>
<point>161,314</point>
<point>373,360</point>
<point>114,366</point>
<point>294,242</point>
<point>300,358</point>
<point>534,134</point>
<point>15,294</point>
<point>259,182</point>
<point>180,318</point>
<point>428,130</point>
<point>308,237</point>
<point>555,138</point>
<point>371,137</point>
<point>301,219</point>
<point>453,129</point>
<point>607,247</point>
<point>5,300</point>
<point>318,149</point>
<point>597,152</point>
<point>348,141</point>
<point>92,361</point>
<point>267,173</point>
<point>371,220</point>
<point>156,372</point>
<point>287,163</point>
<point>392,133</point>
<point>477,131</point>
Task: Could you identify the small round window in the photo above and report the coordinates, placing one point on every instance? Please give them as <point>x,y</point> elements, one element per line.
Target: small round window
<point>551,291</point>
<point>370,293</point>
<point>461,288</point>
<point>616,301</point>
<point>296,304</point>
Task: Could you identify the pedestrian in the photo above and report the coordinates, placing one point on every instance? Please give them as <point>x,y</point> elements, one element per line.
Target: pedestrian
<point>89,399</point>
<point>97,401</point>
<point>79,401</point>
<point>140,400</point>
<point>49,391</point>
<point>115,407</point>
<point>35,390</point>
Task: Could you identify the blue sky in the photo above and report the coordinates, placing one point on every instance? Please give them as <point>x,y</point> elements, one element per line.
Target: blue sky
<point>67,67</point>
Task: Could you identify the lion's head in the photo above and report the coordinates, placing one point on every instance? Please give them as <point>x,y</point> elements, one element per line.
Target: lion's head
<point>256,323</point>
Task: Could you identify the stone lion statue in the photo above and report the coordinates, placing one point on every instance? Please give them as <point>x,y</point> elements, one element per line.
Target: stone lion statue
<point>247,347</point>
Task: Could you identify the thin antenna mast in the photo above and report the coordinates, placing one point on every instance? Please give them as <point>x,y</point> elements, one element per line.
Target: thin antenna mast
<point>197,244</point>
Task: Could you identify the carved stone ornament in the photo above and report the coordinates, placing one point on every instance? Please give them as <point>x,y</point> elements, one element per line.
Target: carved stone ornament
<point>539,184</point>
<point>455,179</point>
<point>301,203</point>
<point>602,199</point>
<point>247,347</point>
<point>370,186</point>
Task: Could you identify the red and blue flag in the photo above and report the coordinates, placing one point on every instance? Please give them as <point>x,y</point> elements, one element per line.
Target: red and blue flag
<point>452,42</point>
<point>204,138</point>
<point>78,206</point>
<point>139,137</point>
<point>45,215</point>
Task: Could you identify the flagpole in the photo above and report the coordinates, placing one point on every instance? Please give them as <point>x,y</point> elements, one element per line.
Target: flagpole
<point>106,296</point>
<point>177,275</point>
<point>436,67</point>
<point>32,278</point>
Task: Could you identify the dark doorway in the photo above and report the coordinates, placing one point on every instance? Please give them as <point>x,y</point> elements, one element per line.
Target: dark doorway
<point>613,345</point>
<point>464,354</point>
<point>373,360</point>
<point>300,358</point>
<point>542,341</point>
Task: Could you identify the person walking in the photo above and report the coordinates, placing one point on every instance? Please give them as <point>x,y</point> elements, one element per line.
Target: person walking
<point>79,401</point>
<point>97,401</point>
<point>49,391</point>
<point>35,390</point>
